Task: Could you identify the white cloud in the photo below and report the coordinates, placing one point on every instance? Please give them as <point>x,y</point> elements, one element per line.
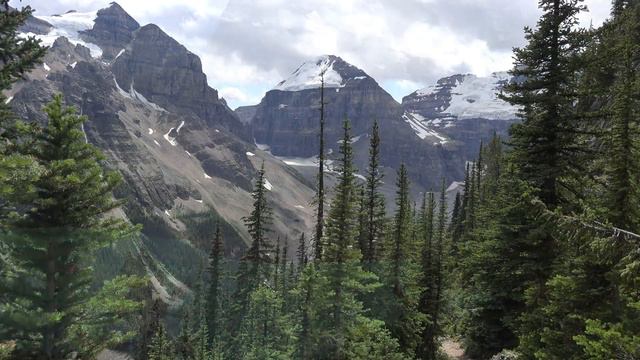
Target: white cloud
<point>247,46</point>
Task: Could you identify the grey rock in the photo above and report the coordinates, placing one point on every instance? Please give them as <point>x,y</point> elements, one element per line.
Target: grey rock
<point>112,31</point>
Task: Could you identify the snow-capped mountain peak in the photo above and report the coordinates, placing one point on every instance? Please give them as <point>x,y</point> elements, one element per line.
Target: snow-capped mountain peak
<point>463,97</point>
<point>337,73</point>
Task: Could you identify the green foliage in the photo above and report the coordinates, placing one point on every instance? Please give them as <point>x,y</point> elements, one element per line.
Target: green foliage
<point>108,318</point>
<point>601,341</point>
<point>266,333</point>
<point>373,203</point>
<point>397,300</point>
<point>161,347</point>
<point>368,339</point>
<point>51,242</point>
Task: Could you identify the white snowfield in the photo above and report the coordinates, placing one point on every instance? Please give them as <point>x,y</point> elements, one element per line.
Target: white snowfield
<point>69,25</point>
<point>477,97</point>
<point>308,76</point>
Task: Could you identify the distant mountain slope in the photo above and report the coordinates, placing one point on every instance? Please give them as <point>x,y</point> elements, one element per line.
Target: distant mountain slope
<point>462,108</point>
<point>435,131</point>
<point>179,147</point>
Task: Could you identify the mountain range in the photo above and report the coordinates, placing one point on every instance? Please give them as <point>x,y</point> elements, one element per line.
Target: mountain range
<point>183,152</point>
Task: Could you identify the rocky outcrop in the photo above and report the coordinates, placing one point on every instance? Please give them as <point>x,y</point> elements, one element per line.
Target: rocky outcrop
<point>287,121</point>
<point>465,109</point>
<point>167,74</point>
<point>112,30</point>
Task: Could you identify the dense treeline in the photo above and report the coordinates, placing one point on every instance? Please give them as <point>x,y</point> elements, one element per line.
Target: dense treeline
<point>538,257</point>
<point>549,261</point>
<point>340,305</point>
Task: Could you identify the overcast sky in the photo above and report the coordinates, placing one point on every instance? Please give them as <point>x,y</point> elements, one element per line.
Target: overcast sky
<point>247,46</point>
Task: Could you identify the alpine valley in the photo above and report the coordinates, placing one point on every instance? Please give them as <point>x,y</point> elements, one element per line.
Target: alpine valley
<point>183,152</point>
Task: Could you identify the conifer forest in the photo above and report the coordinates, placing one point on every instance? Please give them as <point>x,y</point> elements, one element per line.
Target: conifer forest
<point>535,256</point>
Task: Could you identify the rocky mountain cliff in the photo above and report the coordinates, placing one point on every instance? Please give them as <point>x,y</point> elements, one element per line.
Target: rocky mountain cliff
<point>180,148</point>
<point>435,130</point>
<point>462,108</point>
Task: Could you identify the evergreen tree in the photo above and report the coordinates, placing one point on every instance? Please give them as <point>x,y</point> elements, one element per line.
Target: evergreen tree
<point>284,276</point>
<point>622,38</point>
<point>202,348</point>
<point>276,266</point>
<point>455,228</point>
<point>428,347</point>
<point>373,200</point>
<point>341,262</point>
<point>18,55</point>
<point>213,296</point>
<point>302,252</point>
<point>544,146</point>
<point>496,266</point>
<point>471,193</point>
<point>307,293</point>
<point>258,224</point>
<point>265,331</point>
<point>53,240</point>
<point>319,235</point>
<point>402,316</point>
<point>361,224</point>
<point>254,268</point>
<point>160,347</point>
<point>440,237</point>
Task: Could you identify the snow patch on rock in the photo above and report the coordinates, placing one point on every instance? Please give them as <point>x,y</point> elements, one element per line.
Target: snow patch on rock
<point>136,95</point>
<point>267,185</point>
<point>170,139</point>
<point>250,154</point>
<point>262,147</point>
<point>180,126</point>
<point>422,130</point>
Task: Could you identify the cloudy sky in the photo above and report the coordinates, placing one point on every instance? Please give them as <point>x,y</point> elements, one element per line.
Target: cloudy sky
<point>247,46</point>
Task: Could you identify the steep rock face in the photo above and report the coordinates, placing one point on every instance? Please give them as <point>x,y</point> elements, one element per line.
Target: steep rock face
<point>112,31</point>
<point>287,122</point>
<point>180,149</point>
<point>166,73</point>
<point>463,108</point>
<point>287,117</point>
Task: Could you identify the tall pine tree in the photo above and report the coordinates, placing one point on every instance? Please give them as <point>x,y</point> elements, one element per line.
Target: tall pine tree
<point>53,241</point>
